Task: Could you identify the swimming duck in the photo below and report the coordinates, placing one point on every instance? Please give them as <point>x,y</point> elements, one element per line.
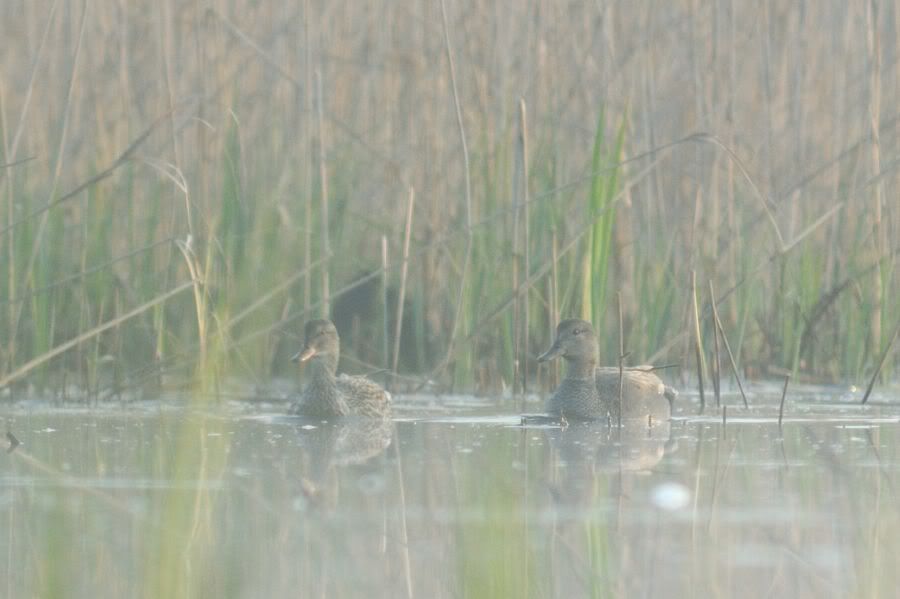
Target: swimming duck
<point>589,392</point>
<point>327,394</point>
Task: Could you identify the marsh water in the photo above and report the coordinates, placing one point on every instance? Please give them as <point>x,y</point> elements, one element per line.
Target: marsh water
<point>454,498</point>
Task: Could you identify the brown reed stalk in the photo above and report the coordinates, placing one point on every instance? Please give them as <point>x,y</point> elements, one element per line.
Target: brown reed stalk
<point>516,273</point>
<point>787,379</point>
<point>717,324</point>
<point>523,151</point>
<point>200,299</point>
<point>716,363</point>
<point>873,48</point>
<point>274,292</point>
<point>554,299</point>
<point>385,309</point>
<point>324,242</point>
<point>698,342</point>
<point>10,152</point>
<point>467,260</point>
<point>307,162</point>
<point>884,355</point>
<point>621,353</point>
<point>404,269</point>
<point>60,156</point>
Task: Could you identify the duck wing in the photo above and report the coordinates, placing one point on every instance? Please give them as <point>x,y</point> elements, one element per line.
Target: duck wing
<point>636,381</point>
<point>643,393</point>
<point>364,397</point>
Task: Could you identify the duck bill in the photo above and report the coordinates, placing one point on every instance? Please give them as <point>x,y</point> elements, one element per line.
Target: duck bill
<point>303,355</point>
<point>554,352</point>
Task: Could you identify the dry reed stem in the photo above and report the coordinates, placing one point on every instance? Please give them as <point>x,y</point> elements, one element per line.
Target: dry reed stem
<point>273,292</point>
<point>540,272</point>
<point>787,379</point>
<point>17,162</point>
<point>717,324</point>
<point>199,285</point>
<point>554,299</point>
<point>124,157</point>
<point>698,342</point>
<point>309,98</point>
<point>463,283</point>
<point>516,275</point>
<point>621,352</point>
<point>716,363</point>
<point>85,273</point>
<point>523,151</point>
<point>404,269</point>
<point>60,153</point>
<point>63,347</point>
<point>385,308</point>
<point>324,242</point>
<point>884,355</point>
<point>29,89</point>
<point>873,48</point>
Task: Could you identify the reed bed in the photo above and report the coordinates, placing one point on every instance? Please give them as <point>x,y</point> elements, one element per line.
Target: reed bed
<point>255,154</point>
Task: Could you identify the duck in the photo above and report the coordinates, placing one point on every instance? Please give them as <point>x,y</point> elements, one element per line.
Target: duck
<point>591,392</point>
<point>328,394</point>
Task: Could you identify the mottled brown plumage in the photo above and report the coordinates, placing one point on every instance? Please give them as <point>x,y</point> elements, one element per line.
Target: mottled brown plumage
<point>589,392</point>
<point>327,394</point>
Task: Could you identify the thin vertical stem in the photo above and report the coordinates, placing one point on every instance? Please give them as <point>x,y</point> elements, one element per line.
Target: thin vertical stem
<point>873,44</point>
<point>384,303</point>
<point>523,148</point>
<point>60,152</point>
<point>324,242</point>
<point>554,298</point>
<point>454,332</point>
<point>516,273</point>
<point>10,154</point>
<point>787,379</point>
<point>404,268</point>
<point>698,342</point>
<point>169,59</point>
<point>716,363</point>
<point>717,323</point>
<point>884,355</point>
<point>621,353</point>
<point>307,208</point>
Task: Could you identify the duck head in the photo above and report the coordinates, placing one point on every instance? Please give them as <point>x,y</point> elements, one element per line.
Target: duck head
<point>322,344</point>
<point>575,342</point>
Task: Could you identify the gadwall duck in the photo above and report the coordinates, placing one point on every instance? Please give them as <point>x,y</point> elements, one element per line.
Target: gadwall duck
<point>327,394</point>
<point>590,392</point>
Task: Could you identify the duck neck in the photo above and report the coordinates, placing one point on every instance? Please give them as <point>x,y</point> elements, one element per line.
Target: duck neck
<point>322,389</point>
<point>582,368</point>
<point>324,366</point>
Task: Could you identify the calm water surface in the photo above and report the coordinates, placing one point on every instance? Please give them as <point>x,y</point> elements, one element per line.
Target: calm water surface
<point>451,500</point>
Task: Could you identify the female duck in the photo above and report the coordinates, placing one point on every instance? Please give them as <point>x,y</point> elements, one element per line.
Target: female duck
<point>328,395</point>
<point>589,392</point>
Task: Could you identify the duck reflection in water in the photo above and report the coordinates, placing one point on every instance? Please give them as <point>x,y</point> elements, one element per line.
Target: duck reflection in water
<point>588,457</point>
<point>340,449</point>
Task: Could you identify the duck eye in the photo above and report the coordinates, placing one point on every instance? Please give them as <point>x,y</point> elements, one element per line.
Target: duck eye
<point>576,331</point>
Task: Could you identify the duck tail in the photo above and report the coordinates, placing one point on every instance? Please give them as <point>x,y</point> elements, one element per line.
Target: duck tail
<point>670,393</point>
